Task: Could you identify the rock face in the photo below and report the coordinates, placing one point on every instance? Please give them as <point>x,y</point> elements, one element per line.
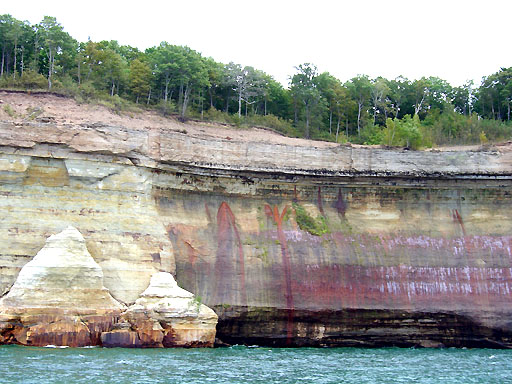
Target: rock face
<point>290,245</point>
<point>164,316</point>
<point>58,297</point>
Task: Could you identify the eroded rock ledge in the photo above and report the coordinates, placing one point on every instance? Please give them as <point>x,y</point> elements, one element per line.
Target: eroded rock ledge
<point>292,244</point>
<point>59,298</point>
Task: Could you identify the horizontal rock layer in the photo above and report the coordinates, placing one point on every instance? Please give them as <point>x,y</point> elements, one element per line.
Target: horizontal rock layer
<point>292,245</point>
<point>58,298</point>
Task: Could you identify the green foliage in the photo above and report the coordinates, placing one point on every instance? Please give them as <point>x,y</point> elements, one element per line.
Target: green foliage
<point>271,121</point>
<point>117,104</point>
<point>167,108</point>
<point>483,138</point>
<point>405,132</point>
<point>33,113</point>
<point>32,80</point>
<point>140,76</point>
<point>371,135</point>
<point>176,79</point>
<point>196,302</point>
<point>317,227</point>
<point>8,109</point>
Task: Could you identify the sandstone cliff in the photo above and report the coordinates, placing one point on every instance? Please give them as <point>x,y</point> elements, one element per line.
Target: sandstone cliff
<point>292,243</point>
<point>58,298</point>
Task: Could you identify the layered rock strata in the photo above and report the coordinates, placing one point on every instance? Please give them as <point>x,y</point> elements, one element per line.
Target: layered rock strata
<point>58,297</point>
<point>291,245</point>
<point>164,316</point>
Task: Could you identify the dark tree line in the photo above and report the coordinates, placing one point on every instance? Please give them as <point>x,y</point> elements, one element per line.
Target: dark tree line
<point>177,79</point>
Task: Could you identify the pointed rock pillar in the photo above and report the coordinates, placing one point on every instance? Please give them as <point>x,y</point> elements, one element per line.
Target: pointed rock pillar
<point>165,315</point>
<point>58,297</point>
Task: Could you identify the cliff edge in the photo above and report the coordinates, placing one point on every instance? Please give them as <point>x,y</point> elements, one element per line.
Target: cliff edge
<point>291,242</point>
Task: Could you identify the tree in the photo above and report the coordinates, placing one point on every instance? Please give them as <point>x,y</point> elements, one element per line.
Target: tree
<point>192,75</point>
<point>463,98</point>
<point>379,92</point>
<point>246,82</point>
<point>405,132</point>
<point>6,22</point>
<point>304,91</point>
<point>54,40</point>
<point>140,76</point>
<point>277,100</point>
<point>326,86</point>
<point>15,35</point>
<point>494,95</point>
<point>360,90</point>
<point>419,90</point>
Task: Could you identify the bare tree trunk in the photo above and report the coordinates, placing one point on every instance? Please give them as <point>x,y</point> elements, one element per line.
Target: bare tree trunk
<point>112,88</point>
<point>180,97</point>
<point>79,74</point>
<point>149,96</point>
<point>307,121</point>
<point>50,69</point>
<point>201,100</point>
<point>186,96</point>
<point>15,51</point>
<point>240,102</point>
<point>22,63</point>
<point>417,106</point>
<point>330,122</point>
<point>167,80</point>
<point>3,61</point>
<point>337,129</point>
<point>211,96</point>
<point>265,106</point>
<point>360,106</point>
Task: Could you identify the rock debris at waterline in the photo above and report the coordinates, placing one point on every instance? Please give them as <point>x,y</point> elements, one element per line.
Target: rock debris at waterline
<point>59,299</point>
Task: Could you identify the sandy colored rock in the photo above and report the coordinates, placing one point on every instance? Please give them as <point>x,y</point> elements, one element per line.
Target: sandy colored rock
<point>165,316</point>
<point>58,297</point>
<point>414,247</point>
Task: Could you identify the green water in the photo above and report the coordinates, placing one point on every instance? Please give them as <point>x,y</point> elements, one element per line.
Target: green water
<point>254,365</point>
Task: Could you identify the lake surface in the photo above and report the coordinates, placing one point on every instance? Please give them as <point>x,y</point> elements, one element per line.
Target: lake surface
<point>253,365</point>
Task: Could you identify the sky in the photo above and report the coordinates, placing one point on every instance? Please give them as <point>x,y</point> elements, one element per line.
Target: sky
<point>455,40</point>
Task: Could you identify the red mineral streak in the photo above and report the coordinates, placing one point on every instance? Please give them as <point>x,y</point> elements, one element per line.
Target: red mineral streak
<point>224,265</point>
<point>278,219</point>
<point>458,219</point>
<point>339,204</point>
<point>351,286</point>
<point>208,215</point>
<point>320,204</point>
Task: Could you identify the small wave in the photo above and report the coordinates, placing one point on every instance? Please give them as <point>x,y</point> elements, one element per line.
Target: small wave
<point>55,346</point>
<point>128,362</point>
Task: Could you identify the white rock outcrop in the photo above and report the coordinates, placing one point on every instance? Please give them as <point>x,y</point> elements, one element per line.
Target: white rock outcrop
<point>62,275</point>
<point>58,297</point>
<point>165,315</point>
